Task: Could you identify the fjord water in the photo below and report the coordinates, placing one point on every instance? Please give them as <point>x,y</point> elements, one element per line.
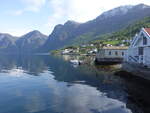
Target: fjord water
<point>47,84</point>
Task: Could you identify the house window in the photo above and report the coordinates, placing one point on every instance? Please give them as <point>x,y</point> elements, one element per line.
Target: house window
<point>144,40</point>
<point>122,53</point>
<point>109,52</point>
<point>116,53</point>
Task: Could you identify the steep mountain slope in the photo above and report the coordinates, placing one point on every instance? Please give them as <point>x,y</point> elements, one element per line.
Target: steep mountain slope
<point>31,41</point>
<point>61,35</point>
<point>127,33</point>
<point>108,22</point>
<point>7,43</point>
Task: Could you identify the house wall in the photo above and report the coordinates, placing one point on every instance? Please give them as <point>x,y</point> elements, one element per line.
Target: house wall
<point>113,53</point>
<point>147,56</point>
<point>133,51</point>
<point>139,43</point>
<point>106,53</point>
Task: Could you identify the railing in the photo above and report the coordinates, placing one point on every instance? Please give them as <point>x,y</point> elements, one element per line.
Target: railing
<point>145,60</point>
<point>134,59</point>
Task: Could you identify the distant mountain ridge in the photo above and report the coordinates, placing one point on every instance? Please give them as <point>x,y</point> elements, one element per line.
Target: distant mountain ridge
<point>110,21</point>
<point>31,41</point>
<point>7,42</point>
<point>25,44</point>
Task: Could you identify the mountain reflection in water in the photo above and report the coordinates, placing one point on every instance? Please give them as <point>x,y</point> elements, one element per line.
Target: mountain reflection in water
<point>47,84</point>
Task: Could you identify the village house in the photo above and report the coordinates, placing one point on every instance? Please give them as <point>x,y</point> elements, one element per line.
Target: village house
<point>139,50</point>
<point>70,51</point>
<point>93,51</point>
<point>110,55</point>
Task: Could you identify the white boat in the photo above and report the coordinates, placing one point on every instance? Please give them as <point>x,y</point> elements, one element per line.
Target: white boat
<point>75,62</point>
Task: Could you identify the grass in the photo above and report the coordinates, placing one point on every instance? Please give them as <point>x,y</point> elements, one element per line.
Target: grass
<point>114,42</point>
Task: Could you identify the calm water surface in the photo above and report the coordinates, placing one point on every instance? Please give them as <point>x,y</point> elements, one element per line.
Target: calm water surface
<point>47,84</point>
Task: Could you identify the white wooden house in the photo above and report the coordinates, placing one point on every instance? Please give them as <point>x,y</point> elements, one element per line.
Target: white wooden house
<point>139,50</point>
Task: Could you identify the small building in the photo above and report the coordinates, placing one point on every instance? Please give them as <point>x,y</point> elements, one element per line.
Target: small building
<point>67,51</point>
<point>110,55</point>
<point>109,45</point>
<point>139,50</point>
<point>93,51</point>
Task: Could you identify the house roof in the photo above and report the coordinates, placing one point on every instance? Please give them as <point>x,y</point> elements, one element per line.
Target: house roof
<point>147,30</point>
<point>116,47</point>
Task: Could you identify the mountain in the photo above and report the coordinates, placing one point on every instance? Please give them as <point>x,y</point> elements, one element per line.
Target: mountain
<point>7,43</point>
<point>31,41</point>
<point>61,35</point>
<point>27,43</point>
<point>110,21</point>
<point>126,33</point>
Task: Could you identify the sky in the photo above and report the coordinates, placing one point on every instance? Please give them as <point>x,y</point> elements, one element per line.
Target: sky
<point>18,17</point>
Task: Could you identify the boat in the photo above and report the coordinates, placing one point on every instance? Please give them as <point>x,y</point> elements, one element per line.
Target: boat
<point>76,62</point>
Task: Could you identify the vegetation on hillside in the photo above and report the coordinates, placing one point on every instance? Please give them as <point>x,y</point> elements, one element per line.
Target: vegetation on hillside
<point>125,34</point>
<point>115,37</point>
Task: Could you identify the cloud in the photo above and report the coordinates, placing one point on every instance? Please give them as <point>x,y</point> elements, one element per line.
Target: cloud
<point>18,12</point>
<point>33,5</point>
<point>30,6</point>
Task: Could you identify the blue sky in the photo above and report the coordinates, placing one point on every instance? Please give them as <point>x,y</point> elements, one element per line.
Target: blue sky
<point>18,17</point>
